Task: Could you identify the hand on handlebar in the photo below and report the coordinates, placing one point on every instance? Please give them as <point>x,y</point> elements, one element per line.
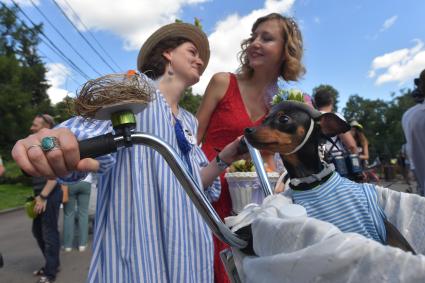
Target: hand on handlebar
<point>58,161</point>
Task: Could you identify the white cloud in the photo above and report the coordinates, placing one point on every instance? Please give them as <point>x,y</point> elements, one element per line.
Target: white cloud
<point>56,76</point>
<point>132,20</point>
<point>399,65</point>
<point>226,39</point>
<point>135,20</point>
<point>389,23</point>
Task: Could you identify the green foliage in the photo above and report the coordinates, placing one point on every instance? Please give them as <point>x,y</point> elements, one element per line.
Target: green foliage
<point>190,101</point>
<point>381,121</point>
<point>14,175</point>
<point>13,195</point>
<point>331,90</point>
<point>22,79</point>
<point>64,110</point>
<point>196,22</point>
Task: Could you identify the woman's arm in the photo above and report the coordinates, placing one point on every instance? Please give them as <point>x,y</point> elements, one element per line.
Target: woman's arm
<point>226,156</point>
<point>365,149</point>
<point>349,142</point>
<point>213,94</point>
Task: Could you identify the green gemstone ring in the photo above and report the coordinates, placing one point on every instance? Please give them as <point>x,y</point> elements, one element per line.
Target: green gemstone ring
<point>49,144</point>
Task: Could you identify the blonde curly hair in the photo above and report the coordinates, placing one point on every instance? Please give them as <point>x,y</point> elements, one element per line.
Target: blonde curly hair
<point>292,68</point>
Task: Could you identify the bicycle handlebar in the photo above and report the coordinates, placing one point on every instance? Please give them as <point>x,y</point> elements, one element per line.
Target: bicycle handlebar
<point>101,145</point>
<point>97,146</point>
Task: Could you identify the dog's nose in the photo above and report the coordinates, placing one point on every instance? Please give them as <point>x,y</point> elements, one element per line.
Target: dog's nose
<point>249,130</point>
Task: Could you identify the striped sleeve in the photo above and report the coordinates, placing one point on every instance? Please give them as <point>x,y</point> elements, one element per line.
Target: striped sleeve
<point>84,129</point>
<point>213,191</point>
<point>376,211</point>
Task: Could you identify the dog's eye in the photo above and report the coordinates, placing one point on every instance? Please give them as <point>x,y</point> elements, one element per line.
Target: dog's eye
<point>283,119</point>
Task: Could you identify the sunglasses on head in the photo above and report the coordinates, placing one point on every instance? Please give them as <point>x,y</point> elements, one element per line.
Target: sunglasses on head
<point>47,119</point>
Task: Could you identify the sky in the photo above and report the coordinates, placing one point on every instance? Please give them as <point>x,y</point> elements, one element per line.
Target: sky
<point>369,48</point>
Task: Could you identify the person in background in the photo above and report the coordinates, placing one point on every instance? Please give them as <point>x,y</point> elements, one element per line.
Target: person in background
<point>405,165</point>
<point>413,123</point>
<point>147,229</point>
<point>361,142</point>
<point>233,102</point>
<point>48,197</point>
<point>323,100</point>
<point>79,194</point>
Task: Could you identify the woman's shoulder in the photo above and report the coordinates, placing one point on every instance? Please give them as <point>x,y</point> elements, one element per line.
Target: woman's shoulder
<point>219,85</point>
<point>221,80</point>
<point>222,77</point>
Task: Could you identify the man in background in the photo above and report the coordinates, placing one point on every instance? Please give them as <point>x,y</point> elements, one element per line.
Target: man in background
<point>413,123</point>
<point>48,197</point>
<point>323,100</point>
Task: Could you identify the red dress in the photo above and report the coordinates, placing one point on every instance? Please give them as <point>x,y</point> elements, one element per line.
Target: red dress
<point>227,122</point>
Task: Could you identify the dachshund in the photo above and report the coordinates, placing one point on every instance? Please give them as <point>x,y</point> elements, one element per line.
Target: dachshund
<point>295,130</point>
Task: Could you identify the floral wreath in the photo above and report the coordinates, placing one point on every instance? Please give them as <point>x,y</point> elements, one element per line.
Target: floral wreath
<point>291,94</point>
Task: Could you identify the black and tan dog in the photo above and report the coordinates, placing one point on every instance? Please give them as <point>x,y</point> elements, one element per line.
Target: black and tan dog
<point>294,130</point>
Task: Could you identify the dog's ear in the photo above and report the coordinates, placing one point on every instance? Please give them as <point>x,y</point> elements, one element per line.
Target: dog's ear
<point>332,124</point>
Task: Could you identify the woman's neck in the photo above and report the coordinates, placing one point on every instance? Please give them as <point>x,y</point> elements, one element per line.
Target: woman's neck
<point>259,79</point>
<point>172,89</point>
<point>258,87</point>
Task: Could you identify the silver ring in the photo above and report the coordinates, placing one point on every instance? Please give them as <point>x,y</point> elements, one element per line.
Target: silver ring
<point>33,145</point>
<point>49,144</point>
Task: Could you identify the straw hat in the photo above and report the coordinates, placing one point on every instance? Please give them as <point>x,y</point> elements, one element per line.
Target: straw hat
<point>191,32</point>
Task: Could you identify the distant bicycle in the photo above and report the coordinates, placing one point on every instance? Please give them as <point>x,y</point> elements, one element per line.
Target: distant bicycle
<point>369,172</point>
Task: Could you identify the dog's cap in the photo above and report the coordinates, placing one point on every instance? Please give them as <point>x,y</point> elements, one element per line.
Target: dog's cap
<point>189,31</point>
<point>331,124</point>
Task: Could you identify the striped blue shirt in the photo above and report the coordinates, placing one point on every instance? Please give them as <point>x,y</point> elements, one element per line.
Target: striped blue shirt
<point>147,229</point>
<point>350,206</point>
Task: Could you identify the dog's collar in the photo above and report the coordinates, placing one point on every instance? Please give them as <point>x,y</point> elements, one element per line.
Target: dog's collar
<point>306,137</point>
<point>326,171</point>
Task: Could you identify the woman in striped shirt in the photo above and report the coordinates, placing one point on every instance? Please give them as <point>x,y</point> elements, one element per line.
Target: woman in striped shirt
<point>147,229</point>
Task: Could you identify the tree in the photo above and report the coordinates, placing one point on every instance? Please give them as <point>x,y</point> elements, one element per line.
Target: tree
<point>381,121</point>
<point>371,114</point>
<point>331,90</point>
<point>64,110</point>
<point>22,78</point>
<point>394,131</point>
<point>190,101</point>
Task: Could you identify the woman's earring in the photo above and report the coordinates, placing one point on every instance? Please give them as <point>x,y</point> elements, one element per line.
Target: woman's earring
<point>170,69</point>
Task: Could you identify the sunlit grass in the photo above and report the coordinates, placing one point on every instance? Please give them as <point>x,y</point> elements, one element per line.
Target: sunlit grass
<point>13,195</point>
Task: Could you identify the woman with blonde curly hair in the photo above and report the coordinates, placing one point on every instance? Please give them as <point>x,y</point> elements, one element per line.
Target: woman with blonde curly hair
<point>233,102</point>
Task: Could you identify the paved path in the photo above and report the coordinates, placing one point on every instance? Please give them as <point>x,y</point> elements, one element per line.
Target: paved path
<point>22,256</point>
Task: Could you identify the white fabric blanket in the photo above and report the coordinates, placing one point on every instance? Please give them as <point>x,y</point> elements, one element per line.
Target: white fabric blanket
<point>303,249</point>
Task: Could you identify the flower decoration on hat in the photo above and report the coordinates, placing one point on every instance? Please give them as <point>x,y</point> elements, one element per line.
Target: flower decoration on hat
<point>291,94</point>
